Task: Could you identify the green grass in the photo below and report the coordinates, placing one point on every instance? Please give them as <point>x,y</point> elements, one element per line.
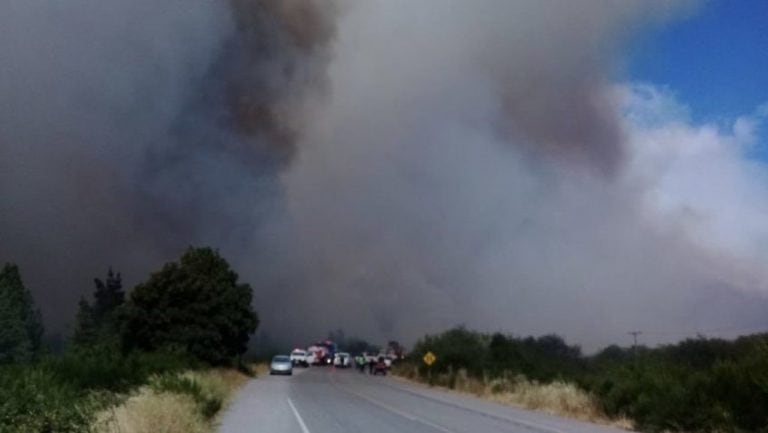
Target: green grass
<point>63,393</point>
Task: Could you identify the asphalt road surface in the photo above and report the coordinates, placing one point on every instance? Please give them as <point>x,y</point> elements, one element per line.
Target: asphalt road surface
<point>325,400</point>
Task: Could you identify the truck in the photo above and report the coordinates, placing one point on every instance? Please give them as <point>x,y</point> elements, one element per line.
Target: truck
<point>322,353</point>
<point>299,358</point>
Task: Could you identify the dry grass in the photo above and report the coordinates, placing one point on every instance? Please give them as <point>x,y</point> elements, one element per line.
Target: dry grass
<point>155,410</point>
<point>261,368</point>
<point>221,384</point>
<point>557,398</point>
<point>151,412</point>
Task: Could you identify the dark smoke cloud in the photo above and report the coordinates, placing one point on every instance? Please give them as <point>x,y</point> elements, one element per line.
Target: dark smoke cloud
<point>129,130</point>
<point>386,166</point>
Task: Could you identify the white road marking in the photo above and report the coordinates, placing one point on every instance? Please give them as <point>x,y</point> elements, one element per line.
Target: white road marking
<point>303,426</point>
<point>396,411</point>
<point>510,419</point>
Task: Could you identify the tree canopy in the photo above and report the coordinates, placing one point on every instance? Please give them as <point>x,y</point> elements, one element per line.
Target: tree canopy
<point>21,328</point>
<point>195,305</point>
<point>98,323</point>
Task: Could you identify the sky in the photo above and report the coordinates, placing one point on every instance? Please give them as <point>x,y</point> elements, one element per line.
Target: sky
<point>715,59</point>
<point>395,168</point>
<point>709,63</point>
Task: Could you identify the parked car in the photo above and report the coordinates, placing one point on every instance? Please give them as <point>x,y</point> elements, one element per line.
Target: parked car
<point>299,358</point>
<point>281,364</point>
<point>342,360</point>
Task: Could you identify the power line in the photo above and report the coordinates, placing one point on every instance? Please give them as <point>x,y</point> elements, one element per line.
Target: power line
<point>753,329</point>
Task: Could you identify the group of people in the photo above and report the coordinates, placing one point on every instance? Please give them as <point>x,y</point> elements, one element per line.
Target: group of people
<point>361,362</point>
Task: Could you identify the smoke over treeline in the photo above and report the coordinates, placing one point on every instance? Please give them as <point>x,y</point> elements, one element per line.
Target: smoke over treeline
<point>387,167</point>
<point>132,129</point>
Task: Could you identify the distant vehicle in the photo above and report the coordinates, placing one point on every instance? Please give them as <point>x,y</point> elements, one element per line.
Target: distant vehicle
<point>387,360</point>
<point>299,357</point>
<point>281,364</point>
<point>324,352</point>
<point>395,351</point>
<point>316,354</point>
<point>380,367</point>
<point>342,360</point>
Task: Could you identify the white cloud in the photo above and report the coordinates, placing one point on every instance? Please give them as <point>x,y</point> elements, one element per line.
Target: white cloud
<point>703,174</point>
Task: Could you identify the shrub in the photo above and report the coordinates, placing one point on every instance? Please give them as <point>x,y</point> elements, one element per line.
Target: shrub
<point>35,399</point>
<point>210,389</point>
<point>150,412</point>
<point>62,394</point>
<point>709,385</point>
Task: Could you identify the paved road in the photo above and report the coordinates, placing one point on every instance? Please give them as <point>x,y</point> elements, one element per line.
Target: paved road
<point>324,400</point>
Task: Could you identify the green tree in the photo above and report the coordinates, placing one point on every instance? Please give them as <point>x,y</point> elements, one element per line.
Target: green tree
<point>21,328</point>
<point>196,305</point>
<point>98,323</point>
<point>86,327</point>
<point>109,295</point>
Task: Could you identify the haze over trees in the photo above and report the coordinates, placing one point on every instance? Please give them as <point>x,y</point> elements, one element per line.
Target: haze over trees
<point>21,328</point>
<point>98,322</point>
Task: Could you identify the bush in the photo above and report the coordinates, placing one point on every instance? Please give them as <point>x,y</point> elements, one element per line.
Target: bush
<point>208,401</point>
<point>545,358</point>
<point>150,412</point>
<point>710,385</point>
<point>62,394</point>
<point>35,399</point>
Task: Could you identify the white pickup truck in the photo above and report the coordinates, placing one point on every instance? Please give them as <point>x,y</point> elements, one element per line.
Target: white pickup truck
<point>299,358</point>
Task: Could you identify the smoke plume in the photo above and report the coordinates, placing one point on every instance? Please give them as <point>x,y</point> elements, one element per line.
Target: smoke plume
<point>388,167</point>
<point>130,130</point>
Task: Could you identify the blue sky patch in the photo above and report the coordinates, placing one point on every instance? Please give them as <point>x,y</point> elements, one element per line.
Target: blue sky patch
<point>715,61</point>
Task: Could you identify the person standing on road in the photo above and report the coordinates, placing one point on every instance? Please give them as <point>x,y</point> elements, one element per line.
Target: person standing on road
<point>360,363</point>
<point>371,363</point>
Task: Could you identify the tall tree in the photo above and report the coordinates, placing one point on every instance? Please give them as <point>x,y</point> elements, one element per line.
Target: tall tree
<point>196,305</point>
<point>109,295</point>
<point>97,323</point>
<point>21,328</point>
<point>86,328</point>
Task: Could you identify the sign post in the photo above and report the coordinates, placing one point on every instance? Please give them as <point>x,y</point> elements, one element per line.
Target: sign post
<point>429,359</point>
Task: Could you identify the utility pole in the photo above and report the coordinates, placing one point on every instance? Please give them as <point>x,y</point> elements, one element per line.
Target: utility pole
<point>634,335</point>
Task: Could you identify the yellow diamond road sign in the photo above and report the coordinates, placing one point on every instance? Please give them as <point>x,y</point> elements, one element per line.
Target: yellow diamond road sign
<point>429,358</point>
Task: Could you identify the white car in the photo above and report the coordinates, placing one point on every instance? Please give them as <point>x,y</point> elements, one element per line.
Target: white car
<point>299,357</point>
<point>281,364</point>
<point>342,360</point>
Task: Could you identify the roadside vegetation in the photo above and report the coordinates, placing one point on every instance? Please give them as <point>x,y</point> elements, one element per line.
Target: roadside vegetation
<point>702,384</point>
<point>165,358</point>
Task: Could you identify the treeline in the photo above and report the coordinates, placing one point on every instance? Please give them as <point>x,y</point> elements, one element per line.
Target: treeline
<point>701,384</point>
<point>192,313</point>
